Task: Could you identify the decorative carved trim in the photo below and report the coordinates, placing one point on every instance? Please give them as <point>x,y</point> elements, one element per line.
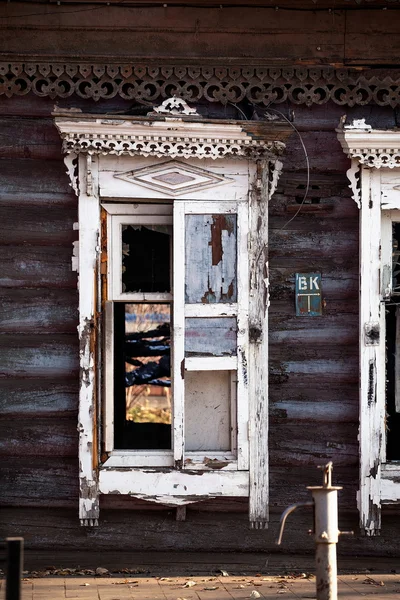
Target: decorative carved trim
<point>353,175</point>
<point>172,138</point>
<point>148,84</point>
<point>371,147</point>
<point>374,158</point>
<point>89,178</point>
<point>175,106</point>
<point>174,178</point>
<point>275,170</point>
<point>70,161</point>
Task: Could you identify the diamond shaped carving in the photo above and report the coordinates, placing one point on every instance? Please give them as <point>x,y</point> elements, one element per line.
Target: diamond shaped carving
<point>173,178</point>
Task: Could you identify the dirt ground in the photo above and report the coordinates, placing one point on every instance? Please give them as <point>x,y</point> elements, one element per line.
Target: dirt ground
<point>113,576</point>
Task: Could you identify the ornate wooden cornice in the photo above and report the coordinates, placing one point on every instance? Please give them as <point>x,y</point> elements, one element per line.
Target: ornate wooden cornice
<point>371,147</point>
<point>150,84</point>
<point>367,147</point>
<point>173,130</point>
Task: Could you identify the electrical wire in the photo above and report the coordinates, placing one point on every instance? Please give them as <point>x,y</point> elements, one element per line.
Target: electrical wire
<point>239,109</point>
<point>307,164</point>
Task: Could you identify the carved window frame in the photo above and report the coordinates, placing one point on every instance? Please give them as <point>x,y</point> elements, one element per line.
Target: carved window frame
<point>96,146</point>
<point>374,179</point>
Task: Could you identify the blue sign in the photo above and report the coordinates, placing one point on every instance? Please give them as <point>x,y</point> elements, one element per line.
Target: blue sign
<point>308,295</point>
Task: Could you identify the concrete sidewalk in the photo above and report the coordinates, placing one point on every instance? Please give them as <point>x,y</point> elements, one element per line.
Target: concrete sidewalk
<point>231,587</point>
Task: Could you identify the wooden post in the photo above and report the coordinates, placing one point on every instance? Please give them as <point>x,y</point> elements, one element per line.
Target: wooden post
<point>15,558</point>
<point>89,232</point>
<point>372,355</point>
<point>258,355</point>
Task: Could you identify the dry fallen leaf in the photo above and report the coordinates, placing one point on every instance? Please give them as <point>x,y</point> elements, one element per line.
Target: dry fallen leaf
<point>223,573</point>
<point>189,584</point>
<point>255,594</point>
<point>102,571</point>
<point>211,587</point>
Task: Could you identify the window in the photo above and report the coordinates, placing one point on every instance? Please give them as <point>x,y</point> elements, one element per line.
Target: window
<point>375,182</point>
<point>177,329</point>
<point>173,305</point>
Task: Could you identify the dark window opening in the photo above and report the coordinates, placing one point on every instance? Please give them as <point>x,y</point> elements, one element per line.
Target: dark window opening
<point>396,258</point>
<point>142,376</point>
<point>146,258</point>
<point>393,354</point>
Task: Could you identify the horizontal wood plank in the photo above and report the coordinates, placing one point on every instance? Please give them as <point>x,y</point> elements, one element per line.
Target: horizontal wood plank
<point>315,411</point>
<point>38,356</point>
<point>40,267</point>
<point>25,176</point>
<point>296,444</point>
<point>313,244</point>
<point>177,20</point>
<point>39,481</point>
<point>51,528</point>
<point>51,436</point>
<point>37,226</point>
<point>29,138</point>
<point>339,371</point>
<point>327,330</point>
<point>38,397</point>
<point>323,150</point>
<point>38,310</point>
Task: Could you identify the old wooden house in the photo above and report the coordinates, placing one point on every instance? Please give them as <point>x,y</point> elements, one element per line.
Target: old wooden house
<point>199,250</point>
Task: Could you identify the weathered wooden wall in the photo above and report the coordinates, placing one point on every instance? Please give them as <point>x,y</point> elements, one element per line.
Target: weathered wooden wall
<point>298,32</point>
<point>314,370</point>
<point>314,361</point>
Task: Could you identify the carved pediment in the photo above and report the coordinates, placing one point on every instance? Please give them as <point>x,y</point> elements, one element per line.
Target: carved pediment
<point>173,178</point>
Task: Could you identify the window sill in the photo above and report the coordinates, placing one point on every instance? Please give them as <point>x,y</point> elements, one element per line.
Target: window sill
<point>149,459</point>
<point>173,487</point>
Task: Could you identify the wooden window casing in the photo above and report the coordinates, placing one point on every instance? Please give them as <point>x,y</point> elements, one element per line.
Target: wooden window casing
<point>208,172</point>
<point>375,181</point>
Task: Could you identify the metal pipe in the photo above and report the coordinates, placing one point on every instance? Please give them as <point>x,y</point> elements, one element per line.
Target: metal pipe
<point>285,515</point>
<point>15,557</point>
<point>326,571</point>
<point>326,533</point>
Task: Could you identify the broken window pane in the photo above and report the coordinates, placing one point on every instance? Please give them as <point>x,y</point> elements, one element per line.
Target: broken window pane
<point>146,258</point>
<point>142,376</point>
<point>210,259</point>
<point>210,336</point>
<point>208,410</point>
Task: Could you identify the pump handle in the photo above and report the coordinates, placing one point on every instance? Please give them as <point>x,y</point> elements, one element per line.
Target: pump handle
<point>285,515</point>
